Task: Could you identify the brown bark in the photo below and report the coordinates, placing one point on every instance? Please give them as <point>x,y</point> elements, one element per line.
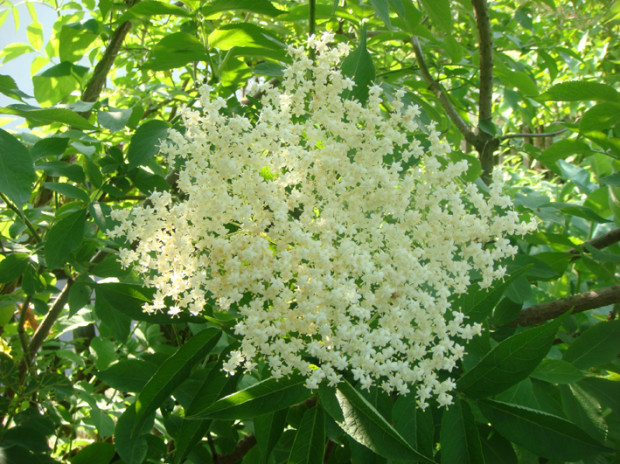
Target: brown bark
<point>95,85</point>
<point>243,446</point>
<point>578,303</point>
<point>600,242</point>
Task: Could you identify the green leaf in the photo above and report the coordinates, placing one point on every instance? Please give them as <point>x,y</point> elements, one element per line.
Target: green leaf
<point>509,362</point>
<point>64,237</point>
<point>9,88</point>
<point>581,91</point>
<point>460,441</point>
<point>115,119</point>
<point>309,444</point>
<point>172,373</point>
<point>145,142</point>
<point>268,429</point>
<point>362,422</point>
<point>56,83</point>
<point>497,449</point>
<point>557,371</point>
<point>79,296</point>
<point>16,169</point>
<point>584,411</point>
<point>131,448</point>
<point>563,149</point>
<point>440,13</point>
<point>155,8</point>
<point>93,172</point>
<point>128,375</point>
<point>68,190</point>
<point>244,35</point>
<point>583,212</point>
<point>34,32</point>
<point>53,146</point>
<point>404,418</point>
<point>25,436</point>
<point>72,172</point>
<point>359,67</point>
<point>596,346</point>
<point>263,7</point>
<point>128,299</point>
<point>192,431</point>
<point>578,175</point>
<point>518,79</point>
<point>264,397</point>
<point>600,117</point>
<point>607,392</point>
<point>15,50</point>
<point>382,8</point>
<point>12,266</point>
<point>189,435</point>
<point>410,17</point>
<point>175,50</point>
<point>488,127</point>
<point>602,256</point>
<point>43,116</point>
<point>95,453</point>
<point>612,179</point>
<point>477,304</point>
<point>544,434</point>
<point>75,38</point>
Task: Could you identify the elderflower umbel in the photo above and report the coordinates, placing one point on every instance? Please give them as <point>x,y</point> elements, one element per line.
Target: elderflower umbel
<point>349,234</point>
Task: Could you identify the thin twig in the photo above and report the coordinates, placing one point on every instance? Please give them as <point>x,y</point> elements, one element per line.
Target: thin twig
<point>22,216</point>
<point>22,331</point>
<point>578,303</point>
<point>436,88</point>
<point>525,135</point>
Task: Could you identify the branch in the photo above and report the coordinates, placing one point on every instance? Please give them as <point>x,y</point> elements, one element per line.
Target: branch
<point>578,303</point>
<point>483,23</point>
<point>243,446</point>
<point>22,216</point>
<point>488,144</point>
<point>434,86</point>
<point>50,318</point>
<point>97,81</point>
<point>600,242</point>
<point>525,135</point>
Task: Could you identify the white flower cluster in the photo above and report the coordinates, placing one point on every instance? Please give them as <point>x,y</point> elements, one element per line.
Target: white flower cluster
<point>349,257</point>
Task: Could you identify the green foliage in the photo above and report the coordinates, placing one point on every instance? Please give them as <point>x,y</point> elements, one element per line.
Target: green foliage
<point>87,377</point>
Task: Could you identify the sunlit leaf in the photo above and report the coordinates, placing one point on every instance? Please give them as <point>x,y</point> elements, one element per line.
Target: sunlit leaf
<point>581,91</point>
<point>261,398</point>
